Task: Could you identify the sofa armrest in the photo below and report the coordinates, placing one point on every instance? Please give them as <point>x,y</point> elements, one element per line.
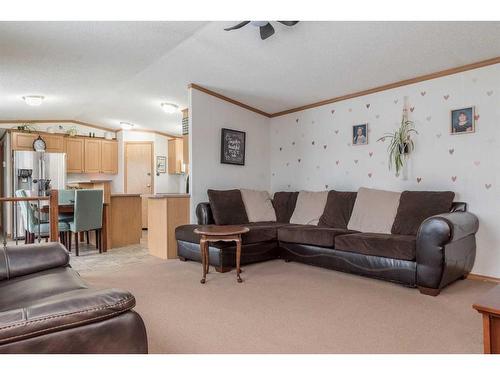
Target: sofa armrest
<point>23,260</point>
<point>204,214</point>
<point>64,311</point>
<point>446,248</point>
<point>448,227</point>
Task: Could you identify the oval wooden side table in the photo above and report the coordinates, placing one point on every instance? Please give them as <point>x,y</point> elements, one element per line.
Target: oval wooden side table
<point>215,233</point>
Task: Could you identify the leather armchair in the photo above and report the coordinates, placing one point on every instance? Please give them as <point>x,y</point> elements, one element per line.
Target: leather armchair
<point>446,249</point>
<point>45,307</point>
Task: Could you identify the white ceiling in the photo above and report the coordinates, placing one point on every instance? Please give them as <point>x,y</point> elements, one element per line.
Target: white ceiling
<point>107,72</point>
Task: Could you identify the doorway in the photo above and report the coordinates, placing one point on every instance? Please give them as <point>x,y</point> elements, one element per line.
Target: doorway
<point>139,173</point>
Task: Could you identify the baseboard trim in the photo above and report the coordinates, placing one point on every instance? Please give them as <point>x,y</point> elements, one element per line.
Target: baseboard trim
<point>473,276</point>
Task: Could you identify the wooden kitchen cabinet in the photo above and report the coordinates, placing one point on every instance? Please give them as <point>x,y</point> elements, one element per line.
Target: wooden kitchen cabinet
<point>74,155</point>
<point>92,155</point>
<point>24,141</point>
<point>109,157</point>
<point>54,143</point>
<point>175,156</point>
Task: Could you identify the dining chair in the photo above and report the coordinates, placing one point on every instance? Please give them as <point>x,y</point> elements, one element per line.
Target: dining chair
<point>34,226</point>
<point>87,215</point>
<point>66,197</point>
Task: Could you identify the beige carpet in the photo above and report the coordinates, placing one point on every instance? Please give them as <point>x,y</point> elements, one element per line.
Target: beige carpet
<point>294,308</point>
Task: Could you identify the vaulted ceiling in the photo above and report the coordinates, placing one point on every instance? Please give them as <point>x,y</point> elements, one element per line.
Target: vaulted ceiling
<point>107,72</point>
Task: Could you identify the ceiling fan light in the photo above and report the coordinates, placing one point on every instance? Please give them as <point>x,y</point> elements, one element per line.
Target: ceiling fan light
<point>169,107</point>
<point>126,125</point>
<point>259,23</point>
<point>33,100</point>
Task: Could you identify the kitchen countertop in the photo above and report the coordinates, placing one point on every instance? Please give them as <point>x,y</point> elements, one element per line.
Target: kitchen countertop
<point>125,195</point>
<point>166,195</point>
<point>87,182</point>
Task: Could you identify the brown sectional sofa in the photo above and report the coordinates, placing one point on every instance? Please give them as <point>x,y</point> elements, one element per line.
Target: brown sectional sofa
<point>440,250</point>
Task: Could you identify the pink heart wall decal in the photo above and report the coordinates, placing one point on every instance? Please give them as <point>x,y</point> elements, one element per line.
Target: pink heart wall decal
<point>356,161</point>
<point>451,151</point>
<point>368,106</point>
<point>489,93</point>
<point>337,162</point>
<point>422,93</point>
<point>336,131</point>
<point>332,111</point>
<point>453,178</point>
<point>419,179</point>
<point>487,186</point>
<point>370,175</point>
<point>412,109</point>
<point>476,163</point>
<point>370,153</point>
<point>395,101</point>
<point>446,97</point>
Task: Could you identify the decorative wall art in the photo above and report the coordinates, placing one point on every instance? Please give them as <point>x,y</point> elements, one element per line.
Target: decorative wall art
<point>161,164</point>
<point>232,147</point>
<point>463,120</point>
<point>360,134</point>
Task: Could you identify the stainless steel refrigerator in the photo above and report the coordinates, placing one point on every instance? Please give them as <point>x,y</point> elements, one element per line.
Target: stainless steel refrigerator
<point>37,172</point>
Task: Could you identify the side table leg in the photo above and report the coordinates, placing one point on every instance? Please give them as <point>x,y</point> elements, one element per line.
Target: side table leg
<point>238,259</point>
<point>203,244</point>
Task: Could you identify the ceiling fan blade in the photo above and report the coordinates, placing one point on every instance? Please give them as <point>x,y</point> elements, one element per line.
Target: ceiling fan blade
<point>289,23</point>
<point>238,26</point>
<point>266,31</point>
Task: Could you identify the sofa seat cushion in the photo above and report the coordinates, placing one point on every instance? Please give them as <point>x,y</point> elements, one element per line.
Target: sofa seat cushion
<point>379,244</point>
<point>310,235</point>
<point>62,311</point>
<point>20,292</point>
<point>259,232</point>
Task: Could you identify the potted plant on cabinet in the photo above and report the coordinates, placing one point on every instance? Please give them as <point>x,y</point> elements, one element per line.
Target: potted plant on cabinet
<point>401,145</point>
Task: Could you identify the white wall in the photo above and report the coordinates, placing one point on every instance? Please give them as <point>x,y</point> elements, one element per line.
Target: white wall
<point>468,164</point>
<point>207,116</point>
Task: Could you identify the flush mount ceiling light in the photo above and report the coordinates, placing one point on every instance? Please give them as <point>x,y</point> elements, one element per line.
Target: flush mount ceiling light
<point>169,107</point>
<point>126,125</point>
<point>33,100</point>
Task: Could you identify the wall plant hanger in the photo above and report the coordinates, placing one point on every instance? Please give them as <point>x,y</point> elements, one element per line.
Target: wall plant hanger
<point>401,145</point>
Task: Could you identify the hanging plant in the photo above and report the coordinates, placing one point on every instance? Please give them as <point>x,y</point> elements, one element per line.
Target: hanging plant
<point>401,144</point>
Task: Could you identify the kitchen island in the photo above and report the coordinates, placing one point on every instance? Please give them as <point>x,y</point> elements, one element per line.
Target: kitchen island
<point>165,213</point>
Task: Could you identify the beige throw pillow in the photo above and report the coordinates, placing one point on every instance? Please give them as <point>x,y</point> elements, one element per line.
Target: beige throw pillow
<point>309,208</point>
<point>374,211</point>
<point>258,205</point>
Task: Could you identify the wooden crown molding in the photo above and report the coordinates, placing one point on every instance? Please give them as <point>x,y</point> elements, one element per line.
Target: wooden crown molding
<point>229,100</point>
<point>58,121</point>
<point>114,130</point>
<point>168,135</point>
<point>389,86</point>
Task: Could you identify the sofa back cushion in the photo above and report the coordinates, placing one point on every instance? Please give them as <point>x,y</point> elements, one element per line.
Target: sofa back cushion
<point>258,205</point>
<point>309,208</point>
<point>284,204</point>
<point>374,211</point>
<point>227,207</point>
<point>338,209</point>
<point>416,206</point>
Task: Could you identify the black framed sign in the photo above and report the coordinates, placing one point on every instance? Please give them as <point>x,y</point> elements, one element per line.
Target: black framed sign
<point>232,147</point>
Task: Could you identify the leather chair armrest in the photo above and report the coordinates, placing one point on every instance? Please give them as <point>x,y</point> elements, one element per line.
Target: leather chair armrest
<point>23,260</point>
<point>64,311</point>
<point>204,214</point>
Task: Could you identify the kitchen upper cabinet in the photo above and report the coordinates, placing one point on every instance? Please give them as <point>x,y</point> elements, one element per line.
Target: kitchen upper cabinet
<point>175,155</point>
<point>74,155</point>
<point>54,143</point>
<point>92,155</point>
<point>23,141</point>
<point>109,157</point>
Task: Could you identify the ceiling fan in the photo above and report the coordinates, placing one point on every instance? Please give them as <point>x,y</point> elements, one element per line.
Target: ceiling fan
<point>266,29</point>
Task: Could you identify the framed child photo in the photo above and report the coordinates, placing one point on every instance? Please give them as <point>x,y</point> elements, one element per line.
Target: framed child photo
<point>360,134</point>
<point>232,147</point>
<point>463,120</point>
